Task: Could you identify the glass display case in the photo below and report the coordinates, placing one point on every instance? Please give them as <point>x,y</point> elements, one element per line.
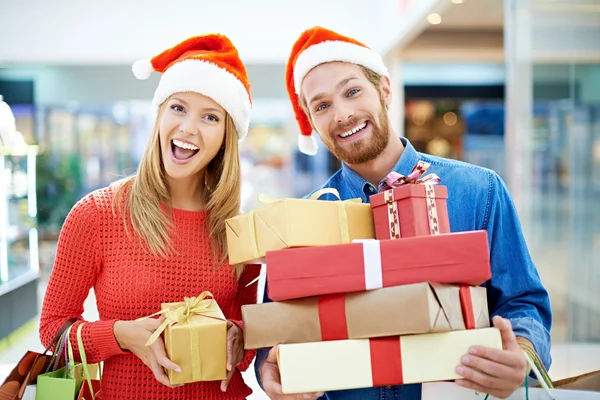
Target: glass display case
<point>19,260</point>
<point>18,211</point>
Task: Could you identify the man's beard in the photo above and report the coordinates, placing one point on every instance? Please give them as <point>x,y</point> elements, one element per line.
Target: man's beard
<point>362,150</point>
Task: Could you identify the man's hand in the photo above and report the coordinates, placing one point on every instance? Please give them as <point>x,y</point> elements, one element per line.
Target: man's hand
<point>271,380</point>
<point>492,371</point>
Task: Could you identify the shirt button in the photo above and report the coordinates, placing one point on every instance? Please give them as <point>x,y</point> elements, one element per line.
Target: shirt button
<point>371,189</point>
<point>389,387</point>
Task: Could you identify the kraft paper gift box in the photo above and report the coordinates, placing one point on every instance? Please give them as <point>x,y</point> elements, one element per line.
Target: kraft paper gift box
<point>195,336</point>
<point>286,223</point>
<point>371,264</point>
<point>361,363</point>
<point>410,206</point>
<point>399,310</point>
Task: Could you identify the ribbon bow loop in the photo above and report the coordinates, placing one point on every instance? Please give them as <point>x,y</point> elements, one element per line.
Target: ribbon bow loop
<point>415,177</point>
<point>182,312</point>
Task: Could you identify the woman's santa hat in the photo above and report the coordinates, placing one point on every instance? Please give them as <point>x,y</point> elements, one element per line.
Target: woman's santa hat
<point>316,46</point>
<point>207,64</point>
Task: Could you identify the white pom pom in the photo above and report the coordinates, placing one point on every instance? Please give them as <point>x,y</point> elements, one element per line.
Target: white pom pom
<point>142,69</point>
<point>307,144</point>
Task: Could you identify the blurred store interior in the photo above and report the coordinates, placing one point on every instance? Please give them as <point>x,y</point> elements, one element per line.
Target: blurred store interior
<point>510,85</point>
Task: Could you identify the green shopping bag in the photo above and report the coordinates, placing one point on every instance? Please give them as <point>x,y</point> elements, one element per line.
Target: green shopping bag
<point>63,383</point>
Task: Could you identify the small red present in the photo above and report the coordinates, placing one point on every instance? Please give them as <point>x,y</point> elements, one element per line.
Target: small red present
<point>410,205</point>
<point>461,258</point>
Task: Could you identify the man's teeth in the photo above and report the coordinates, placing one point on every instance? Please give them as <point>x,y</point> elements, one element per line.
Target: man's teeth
<point>353,131</point>
<point>184,145</point>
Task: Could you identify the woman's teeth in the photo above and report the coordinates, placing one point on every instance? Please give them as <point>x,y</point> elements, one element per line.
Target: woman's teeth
<point>353,131</point>
<point>184,145</point>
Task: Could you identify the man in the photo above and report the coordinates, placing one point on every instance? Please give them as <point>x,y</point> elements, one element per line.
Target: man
<point>340,89</point>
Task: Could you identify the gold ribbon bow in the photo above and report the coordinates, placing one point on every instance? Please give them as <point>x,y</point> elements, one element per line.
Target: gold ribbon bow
<point>204,305</point>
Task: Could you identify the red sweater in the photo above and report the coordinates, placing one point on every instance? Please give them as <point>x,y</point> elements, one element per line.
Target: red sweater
<point>95,251</point>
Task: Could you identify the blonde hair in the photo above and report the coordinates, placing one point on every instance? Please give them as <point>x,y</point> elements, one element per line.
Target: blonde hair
<point>143,193</point>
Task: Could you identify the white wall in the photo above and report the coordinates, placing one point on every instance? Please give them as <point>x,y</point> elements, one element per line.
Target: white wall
<point>119,32</point>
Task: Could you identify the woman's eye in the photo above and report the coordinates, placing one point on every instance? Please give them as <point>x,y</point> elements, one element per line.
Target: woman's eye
<point>352,92</point>
<point>212,118</point>
<point>177,108</point>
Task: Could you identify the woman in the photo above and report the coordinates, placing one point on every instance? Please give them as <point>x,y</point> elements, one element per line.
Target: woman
<point>159,236</point>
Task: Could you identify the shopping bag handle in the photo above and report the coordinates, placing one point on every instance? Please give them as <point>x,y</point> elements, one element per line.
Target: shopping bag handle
<point>59,335</point>
<point>86,371</point>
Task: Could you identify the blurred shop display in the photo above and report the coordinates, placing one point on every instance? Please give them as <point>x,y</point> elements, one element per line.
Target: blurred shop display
<point>461,129</point>
<point>19,265</point>
<point>271,162</point>
<point>85,148</point>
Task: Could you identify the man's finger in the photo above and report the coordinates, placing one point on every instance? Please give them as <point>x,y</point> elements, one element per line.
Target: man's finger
<point>269,373</point>
<point>508,358</point>
<point>272,356</point>
<point>493,369</point>
<point>509,340</point>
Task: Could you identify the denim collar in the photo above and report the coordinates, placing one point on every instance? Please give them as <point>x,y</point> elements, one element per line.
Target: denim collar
<point>360,188</point>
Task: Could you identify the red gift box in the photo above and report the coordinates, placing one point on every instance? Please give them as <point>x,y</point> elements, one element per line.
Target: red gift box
<point>410,205</point>
<point>461,258</point>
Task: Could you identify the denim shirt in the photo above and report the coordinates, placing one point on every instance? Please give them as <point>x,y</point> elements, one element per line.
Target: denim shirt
<point>477,200</point>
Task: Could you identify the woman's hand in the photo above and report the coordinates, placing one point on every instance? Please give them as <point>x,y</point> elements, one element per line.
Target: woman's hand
<point>133,335</point>
<point>235,351</point>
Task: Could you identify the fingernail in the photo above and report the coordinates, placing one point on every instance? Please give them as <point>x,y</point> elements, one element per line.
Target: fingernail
<point>459,382</point>
<point>460,370</point>
<point>473,350</point>
<point>465,360</point>
<point>182,385</point>
<point>178,370</point>
<point>320,394</point>
<point>307,396</point>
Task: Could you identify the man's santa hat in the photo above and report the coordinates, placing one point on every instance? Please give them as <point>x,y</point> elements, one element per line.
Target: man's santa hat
<point>316,46</point>
<point>207,64</point>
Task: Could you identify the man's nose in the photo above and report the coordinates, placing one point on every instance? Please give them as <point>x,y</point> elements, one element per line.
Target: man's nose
<point>343,114</point>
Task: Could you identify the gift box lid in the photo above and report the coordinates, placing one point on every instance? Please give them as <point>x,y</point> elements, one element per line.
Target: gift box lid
<point>405,191</point>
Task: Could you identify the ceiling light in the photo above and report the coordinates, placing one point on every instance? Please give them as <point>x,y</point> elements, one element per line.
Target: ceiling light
<point>457,1</point>
<point>434,19</point>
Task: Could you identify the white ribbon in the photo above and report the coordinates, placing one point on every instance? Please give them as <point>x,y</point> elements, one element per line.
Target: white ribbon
<point>372,263</point>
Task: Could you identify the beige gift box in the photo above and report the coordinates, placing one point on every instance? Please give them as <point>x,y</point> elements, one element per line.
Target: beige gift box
<point>397,310</point>
<point>361,363</point>
<point>286,223</point>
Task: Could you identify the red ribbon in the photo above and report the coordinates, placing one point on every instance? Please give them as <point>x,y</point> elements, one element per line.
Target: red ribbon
<point>332,317</point>
<point>466,304</point>
<point>386,361</point>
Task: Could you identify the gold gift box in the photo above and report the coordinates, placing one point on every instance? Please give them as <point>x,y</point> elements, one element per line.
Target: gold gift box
<point>347,364</point>
<point>196,340</point>
<point>286,223</point>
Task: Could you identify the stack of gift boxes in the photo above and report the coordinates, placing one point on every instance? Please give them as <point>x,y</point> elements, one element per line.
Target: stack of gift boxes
<point>365,295</point>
